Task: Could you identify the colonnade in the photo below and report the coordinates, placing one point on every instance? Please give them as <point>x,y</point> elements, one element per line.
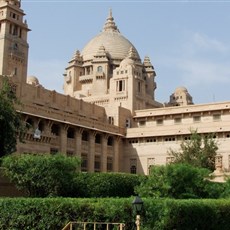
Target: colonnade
<point>99,150</point>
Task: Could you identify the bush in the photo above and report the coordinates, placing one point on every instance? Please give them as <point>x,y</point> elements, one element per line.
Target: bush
<point>41,175</point>
<point>158,214</point>
<point>179,181</point>
<point>105,184</point>
<point>55,213</point>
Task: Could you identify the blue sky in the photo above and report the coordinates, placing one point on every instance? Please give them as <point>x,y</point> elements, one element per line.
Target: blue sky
<point>188,42</point>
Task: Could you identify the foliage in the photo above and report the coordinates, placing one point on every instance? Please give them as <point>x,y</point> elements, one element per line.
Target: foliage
<point>11,125</point>
<point>55,213</point>
<point>105,184</point>
<point>179,181</point>
<point>158,214</point>
<point>199,151</point>
<point>226,192</point>
<point>41,175</point>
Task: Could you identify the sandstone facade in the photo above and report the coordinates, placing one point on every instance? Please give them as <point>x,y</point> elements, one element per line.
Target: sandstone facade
<point>108,114</point>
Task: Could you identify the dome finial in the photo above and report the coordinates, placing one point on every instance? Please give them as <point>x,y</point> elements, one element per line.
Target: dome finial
<point>110,13</point>
<point>110,24</point>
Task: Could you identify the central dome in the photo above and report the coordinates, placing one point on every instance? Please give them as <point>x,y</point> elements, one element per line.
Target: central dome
<point>115,44</point>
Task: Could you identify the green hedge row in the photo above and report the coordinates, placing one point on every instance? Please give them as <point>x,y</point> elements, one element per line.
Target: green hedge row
<point>105,184</point>
<point>58,175</point>
<point>158,214</point>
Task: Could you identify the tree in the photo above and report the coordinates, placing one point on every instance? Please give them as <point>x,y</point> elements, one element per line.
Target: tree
<point>41,175</point>
<point>199,151</point>
<point>177,181</point>
<point>11,124</point>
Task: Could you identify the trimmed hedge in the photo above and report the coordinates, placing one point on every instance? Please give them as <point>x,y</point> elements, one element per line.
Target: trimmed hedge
<point>105,184</point>
<point>158,214</point>
<point>55,213</point>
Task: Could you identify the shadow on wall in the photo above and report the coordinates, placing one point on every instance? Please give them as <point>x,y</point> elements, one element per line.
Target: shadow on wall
<point>7,189</point>
<point>132,161</point>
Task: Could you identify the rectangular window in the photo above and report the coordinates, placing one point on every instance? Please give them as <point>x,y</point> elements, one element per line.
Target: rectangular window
<point>84,163</point>
<point>169,160</point>
<point>97,164</point>
<point>133,165</point>
<point>15,71</point>
<point>109,164</point>
<point>196,119</point>
<point>120,85</point>
<point>15,30</point>
<point>111,120</point>
<point>139,87</point>
<point>177,120</point>
<point>142,123</point>
<point>159,121</point>
<point>151,163</point>
<point>216,117</point>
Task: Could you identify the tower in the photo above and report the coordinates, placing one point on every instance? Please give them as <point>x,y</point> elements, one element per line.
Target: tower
<point>13,40</point>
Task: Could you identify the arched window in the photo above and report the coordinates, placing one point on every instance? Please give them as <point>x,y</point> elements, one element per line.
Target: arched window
<point>110,141</point>
<point>41,126</point>
<point>55,129</point>
<point>70,133</point>
<point>29,123</point>
<point>133,169</point>
<point>98,138</point>
<point>85,136</point>
<point>99,69</point>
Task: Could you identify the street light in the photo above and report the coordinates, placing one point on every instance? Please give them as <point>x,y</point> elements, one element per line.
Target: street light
<point>137,206</point>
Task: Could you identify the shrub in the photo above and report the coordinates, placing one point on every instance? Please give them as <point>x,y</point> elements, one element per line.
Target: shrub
<point>41,175</point>
<point>158,214</point>
<point>105,184</point>
<point>179,181</point>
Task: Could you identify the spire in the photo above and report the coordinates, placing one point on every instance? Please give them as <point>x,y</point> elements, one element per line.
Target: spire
<point>132,53</point>
<point>110,24</point>
<point>101,51</point>
<point>147,62</point>
<point>148,65</point>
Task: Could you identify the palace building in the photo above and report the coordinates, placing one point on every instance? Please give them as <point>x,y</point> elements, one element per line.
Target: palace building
<point>108,114</point>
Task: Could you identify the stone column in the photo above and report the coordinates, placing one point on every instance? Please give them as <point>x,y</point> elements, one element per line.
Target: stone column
<point>116,154</point>
<point>91,155</point>
<point>104,153</point>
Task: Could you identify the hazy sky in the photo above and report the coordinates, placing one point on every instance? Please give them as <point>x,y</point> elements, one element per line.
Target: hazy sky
<point>188,42</point>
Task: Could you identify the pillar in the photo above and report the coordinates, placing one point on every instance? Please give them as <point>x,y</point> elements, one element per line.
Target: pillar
<point>104,153</point>
<point>116,154</point>
<point>91,155</point>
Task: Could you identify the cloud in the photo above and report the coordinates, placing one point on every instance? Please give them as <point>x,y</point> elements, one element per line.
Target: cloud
<point>205,71</point>
<point>201,41</point>
<point>199,59</point>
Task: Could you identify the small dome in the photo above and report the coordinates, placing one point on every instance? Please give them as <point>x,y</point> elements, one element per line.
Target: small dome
<point>126,62</point>
<point>181,89</point>
<point>32,80</point>
<point>130,59</point>
<point>115,44</point>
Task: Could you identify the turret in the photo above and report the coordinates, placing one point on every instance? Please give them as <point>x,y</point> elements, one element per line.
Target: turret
<point>13,40</point>
<point>72,75</point>
<point>150,77</point>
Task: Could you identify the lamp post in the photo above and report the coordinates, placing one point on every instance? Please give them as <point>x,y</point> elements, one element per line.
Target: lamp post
<point>137,206</point>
